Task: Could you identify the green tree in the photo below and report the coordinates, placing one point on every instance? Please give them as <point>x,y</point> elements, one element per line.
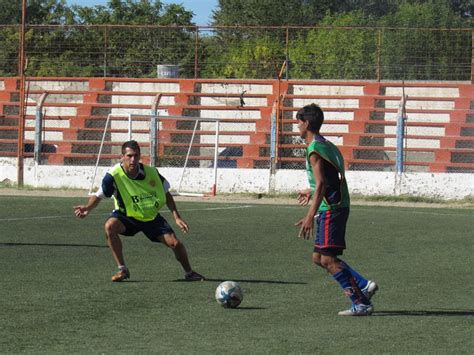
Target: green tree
<point>425,54</point>
<point>293,12</point>
<point>46,12</point>
<point>135,51</point>
<point>463,8</point>
<point>259,56</point>
<point>272,12</point>
<point>54,12</point>
<point>334,51</point>
<point>9,37</point>
<point>133,12</point>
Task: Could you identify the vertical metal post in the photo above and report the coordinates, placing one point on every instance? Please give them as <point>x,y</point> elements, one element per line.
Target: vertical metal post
<point>216,160</point>
<point>106,40</point>
<point>39,127</point>
<point>287,55</point>
<point>153,145</point>
<point>154,131</point>
<point>401,116</point>
<point>273,126</point>
<point>472,57</point>
<point>22,111</point>
<point>196,53</point>
<point>379,48</point>
<point>129,126</point>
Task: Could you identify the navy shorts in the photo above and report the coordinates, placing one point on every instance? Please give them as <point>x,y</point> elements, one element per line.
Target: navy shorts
<point>331,231</point>
<point>152,229</point>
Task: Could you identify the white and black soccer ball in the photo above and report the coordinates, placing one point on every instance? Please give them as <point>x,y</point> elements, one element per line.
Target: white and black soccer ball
<point>229,294</point>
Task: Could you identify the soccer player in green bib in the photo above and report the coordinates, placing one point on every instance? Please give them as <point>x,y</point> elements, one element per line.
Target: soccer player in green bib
<point>329,211</point>
<point>139,192</point>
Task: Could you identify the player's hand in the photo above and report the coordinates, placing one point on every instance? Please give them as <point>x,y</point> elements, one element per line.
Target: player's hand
<point>306,227</point>
<point>81,211</point>
<point>304,197</point>
<point>182,225</point>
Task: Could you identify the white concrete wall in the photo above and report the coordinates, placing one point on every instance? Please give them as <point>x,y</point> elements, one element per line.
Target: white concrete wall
<point>439,185</point>
<point>236,88</point>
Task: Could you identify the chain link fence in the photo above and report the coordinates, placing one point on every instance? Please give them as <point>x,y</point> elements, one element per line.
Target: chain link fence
<point>239,52</point>
<point>438,134</point>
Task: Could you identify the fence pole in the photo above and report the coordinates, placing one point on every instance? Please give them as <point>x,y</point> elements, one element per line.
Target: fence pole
<point>379,48</point>
<point>196,53</point>
<point>401,117</point>
<point>39,127</point>
<point>106,40</point>
<point>472,57</point>
<point>287,55</point>
<point>153,130</point>
<point>273,127</point>
<point>22,111</point>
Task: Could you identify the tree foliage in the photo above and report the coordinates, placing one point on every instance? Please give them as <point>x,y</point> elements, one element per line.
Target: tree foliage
<point>71,50</point>
<point>311,12</point>
<point>424,53</point>
<point>332,49</point>
<point>327,53</point>
<point>341,39</point>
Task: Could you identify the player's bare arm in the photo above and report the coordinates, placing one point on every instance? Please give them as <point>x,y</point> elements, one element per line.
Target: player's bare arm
<point>180,222</point>
<point>307,223</point>
<point>82,211</point>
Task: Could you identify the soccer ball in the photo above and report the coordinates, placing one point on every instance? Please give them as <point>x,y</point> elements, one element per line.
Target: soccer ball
<point>229,294</point>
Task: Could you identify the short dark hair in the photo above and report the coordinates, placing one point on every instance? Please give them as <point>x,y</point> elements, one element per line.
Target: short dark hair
<point>132,145</point>
<point>313,114</point>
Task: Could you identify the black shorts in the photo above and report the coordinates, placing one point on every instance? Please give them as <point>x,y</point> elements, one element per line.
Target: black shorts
<point>152,229</point>
<point>331,231</point>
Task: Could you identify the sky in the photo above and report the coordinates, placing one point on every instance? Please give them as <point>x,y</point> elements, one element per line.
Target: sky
<point>202,9</point>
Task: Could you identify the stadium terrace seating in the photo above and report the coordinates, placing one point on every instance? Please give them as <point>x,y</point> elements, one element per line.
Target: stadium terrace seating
<point>360,118</point>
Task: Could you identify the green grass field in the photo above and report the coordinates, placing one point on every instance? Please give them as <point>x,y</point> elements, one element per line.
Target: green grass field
<point>57,296</point>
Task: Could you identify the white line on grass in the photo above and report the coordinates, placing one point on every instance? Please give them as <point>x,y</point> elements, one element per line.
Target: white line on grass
<point>215,208</point>
<point>105,214</point>
<point>400,209</point>
<point>203,210</point>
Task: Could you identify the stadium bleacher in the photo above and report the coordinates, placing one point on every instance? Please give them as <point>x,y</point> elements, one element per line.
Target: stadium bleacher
<point>360,118</point>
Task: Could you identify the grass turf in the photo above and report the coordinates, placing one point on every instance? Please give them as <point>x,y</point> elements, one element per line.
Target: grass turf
<point>57,296</point>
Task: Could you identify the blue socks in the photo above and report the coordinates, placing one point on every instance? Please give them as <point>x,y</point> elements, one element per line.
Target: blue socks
<point>350,287</point>
<point>361,280</point>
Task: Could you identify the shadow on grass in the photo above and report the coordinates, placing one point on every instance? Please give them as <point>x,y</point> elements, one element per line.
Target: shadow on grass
<point>53,245</point>
<point>440,313</point>
<point>248,281</point>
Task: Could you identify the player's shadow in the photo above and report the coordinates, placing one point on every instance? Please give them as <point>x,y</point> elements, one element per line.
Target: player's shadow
<point>252,281</point>
<point>423,313</point>
<point>53,245</point>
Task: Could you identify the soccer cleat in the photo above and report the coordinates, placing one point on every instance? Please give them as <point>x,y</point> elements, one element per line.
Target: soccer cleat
<point>194,276</point>
<point>358,310</point>
<point>370,289</point>
<point>121,275</point>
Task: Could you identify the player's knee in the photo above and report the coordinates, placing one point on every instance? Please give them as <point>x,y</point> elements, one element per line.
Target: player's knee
<point>110,228</point>
<point>172,242</point>
<point>326,262</point>
<point>317,259</point>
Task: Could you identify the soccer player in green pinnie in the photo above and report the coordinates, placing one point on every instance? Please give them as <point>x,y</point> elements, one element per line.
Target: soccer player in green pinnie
<point>139,191</point>
<point>329,211</point>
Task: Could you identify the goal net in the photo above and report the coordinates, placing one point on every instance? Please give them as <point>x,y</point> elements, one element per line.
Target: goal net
<point>185,149</point>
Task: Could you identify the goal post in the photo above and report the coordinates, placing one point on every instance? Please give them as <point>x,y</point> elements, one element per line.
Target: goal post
<point>185,148</point>
<point>196,133</point>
